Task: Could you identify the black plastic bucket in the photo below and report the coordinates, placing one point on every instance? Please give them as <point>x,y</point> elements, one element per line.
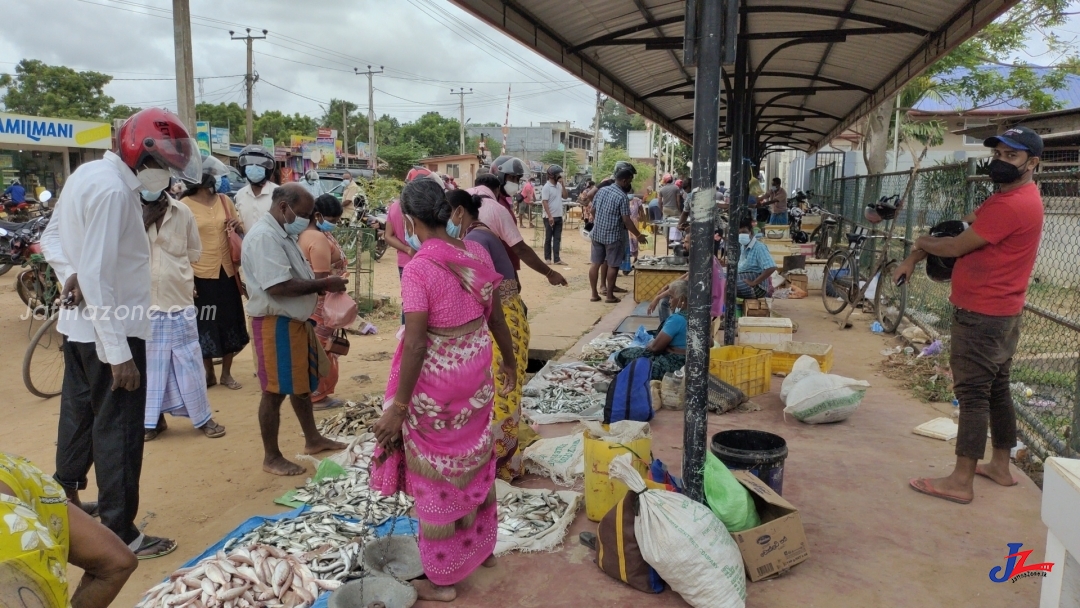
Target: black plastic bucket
<point>761,453</point>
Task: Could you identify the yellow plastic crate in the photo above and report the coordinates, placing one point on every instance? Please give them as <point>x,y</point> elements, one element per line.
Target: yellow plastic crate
<point>650,281</point>
<point>744,367</point>
<point>785,355</point>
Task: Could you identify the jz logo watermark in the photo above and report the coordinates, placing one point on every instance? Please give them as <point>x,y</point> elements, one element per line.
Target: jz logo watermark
<point>1016,566</point>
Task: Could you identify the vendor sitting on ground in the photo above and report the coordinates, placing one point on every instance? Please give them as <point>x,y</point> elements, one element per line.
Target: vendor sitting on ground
<point>663,299</point>
<point>756,265</point>
<point>43,533</point>
<point>668,349</point>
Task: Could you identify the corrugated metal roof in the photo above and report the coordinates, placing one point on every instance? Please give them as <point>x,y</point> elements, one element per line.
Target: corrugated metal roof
<point>888,42</point>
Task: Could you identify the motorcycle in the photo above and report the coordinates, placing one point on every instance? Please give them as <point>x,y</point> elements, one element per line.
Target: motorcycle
<point>373,220</point>
<point>17,238</point>
<point>796,210</point>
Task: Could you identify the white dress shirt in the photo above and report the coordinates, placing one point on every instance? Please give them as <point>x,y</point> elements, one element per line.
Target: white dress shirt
<point>97,231</point>
<point>173,249</point>
<point>251,207</point>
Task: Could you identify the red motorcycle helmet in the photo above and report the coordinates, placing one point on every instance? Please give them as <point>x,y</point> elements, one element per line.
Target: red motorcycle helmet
<point>157,134</point>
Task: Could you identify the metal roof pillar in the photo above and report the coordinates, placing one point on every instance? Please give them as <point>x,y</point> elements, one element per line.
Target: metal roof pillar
<point>709,41</point>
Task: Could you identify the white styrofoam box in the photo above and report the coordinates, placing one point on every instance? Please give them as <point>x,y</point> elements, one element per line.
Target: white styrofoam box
<point>815,275</point>
<point>764,332</point>
<point>1061,503</point>
<point>938,428</point>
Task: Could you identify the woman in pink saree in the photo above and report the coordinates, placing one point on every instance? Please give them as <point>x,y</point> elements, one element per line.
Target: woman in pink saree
<point>434,436</point>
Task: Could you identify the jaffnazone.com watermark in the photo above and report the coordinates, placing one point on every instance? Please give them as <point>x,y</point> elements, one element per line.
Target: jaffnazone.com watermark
<point>119,313</point>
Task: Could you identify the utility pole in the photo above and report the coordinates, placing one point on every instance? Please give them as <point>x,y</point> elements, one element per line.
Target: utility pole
<point>345,130</point>
<point>566,143</point>
<point>371,115</point>
<point>461,93</point>
<point>596,134</point>
<point>249,79</point>
<point>185,83</point>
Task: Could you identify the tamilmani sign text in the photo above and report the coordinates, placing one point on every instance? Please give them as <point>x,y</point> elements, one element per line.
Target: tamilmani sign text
<point>63,132</point>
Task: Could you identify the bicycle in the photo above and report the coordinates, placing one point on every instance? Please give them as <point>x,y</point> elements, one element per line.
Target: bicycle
<point>842,286</point>
<point>43,361</point>
<point>826,236</point>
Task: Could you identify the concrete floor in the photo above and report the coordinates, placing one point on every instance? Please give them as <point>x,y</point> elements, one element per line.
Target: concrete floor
<point>873,541</point>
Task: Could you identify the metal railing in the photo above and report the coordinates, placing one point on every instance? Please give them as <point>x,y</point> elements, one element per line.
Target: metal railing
<point>1046,367</point>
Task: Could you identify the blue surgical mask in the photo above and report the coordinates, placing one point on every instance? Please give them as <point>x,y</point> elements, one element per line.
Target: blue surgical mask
<point>325,226</point>
<point>217,183</point>
<point>297,226</point>
<point>255,173</point>
<point>744,239</point>
<point>412,240</point>
<point>453,230</point>
<point>150,196</point>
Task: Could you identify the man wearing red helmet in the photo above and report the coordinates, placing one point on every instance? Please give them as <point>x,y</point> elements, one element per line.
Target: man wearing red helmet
<point>98,247</point>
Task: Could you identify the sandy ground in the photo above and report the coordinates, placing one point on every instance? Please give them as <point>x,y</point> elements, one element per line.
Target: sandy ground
<point>196,489</point>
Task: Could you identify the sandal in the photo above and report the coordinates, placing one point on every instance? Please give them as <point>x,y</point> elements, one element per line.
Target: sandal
<point>153,433</point>
<point>232,384</point>
<point>595,299</point>
<point>922,485</point>
<point>157,547</point>
<point>212,429</point>
<point>588,539</point>
<point>328,404</point>
<point>612,300</point>
<point>619,290</point>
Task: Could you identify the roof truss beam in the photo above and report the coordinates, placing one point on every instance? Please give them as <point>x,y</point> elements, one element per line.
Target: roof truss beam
<point>641,27</point>
<point>895,26</point>
<point>814,77</point>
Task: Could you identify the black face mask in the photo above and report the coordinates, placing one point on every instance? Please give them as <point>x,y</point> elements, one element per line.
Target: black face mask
<point>1002,172</point>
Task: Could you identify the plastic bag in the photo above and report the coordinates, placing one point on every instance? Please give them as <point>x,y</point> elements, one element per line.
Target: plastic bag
<point>641,337</point>
<point>803,367</point>
<point>727,498</point>
<point>687,545</point>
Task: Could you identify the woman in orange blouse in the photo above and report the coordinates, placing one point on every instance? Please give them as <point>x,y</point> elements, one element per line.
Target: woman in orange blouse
<point>326,257</point>
<point>221,321</point>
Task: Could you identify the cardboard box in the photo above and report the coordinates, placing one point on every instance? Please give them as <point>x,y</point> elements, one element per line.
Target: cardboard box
<point>756,308</point>
<point>799,280</point>
<point>779,543</point>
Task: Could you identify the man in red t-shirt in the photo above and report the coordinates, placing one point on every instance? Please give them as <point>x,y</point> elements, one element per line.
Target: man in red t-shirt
<point>995,257</point>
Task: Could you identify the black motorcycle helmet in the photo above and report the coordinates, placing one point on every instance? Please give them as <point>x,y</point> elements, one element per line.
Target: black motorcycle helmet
<point>940,269</point>
<point>800,237</point>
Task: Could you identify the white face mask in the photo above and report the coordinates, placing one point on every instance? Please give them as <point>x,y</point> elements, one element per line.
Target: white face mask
<point>154,180</point>
<point>511,188</point>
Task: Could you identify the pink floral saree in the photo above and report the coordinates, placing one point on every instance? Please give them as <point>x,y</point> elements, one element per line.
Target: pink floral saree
<point>448,463</point>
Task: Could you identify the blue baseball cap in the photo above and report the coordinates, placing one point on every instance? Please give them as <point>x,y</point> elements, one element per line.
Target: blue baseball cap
<point>1018,138</point>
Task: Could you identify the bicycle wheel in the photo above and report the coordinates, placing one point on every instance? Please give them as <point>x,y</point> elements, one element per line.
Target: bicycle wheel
<point>43,363</point>
<point>890,300</point>
<point>838,282</point>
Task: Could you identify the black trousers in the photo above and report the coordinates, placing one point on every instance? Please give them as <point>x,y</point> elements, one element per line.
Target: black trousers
<point>552,239</point>
<point>103,428</point>
<point>981,356</point>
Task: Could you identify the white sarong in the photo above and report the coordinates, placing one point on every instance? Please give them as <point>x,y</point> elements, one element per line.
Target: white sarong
<point>175,376</point>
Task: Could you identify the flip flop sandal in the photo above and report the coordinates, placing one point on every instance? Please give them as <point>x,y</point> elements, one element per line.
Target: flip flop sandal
<point>328,404</point>
<point>160,546</point>
<point>923,486</point>
<point>212,430</point>
<point>620,290</point>
<point>594,299</point>
<point>233,385</point>
<point>612,300</point>
<point>150,435</point>
<point>588,539</point>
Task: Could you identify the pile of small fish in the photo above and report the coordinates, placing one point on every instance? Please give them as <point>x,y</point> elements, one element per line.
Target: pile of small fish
<point>523,515</point>
<point>313,531</point>
<point>577,376</point>
<point>355,417</point>
<point>340,564</point>
<point>249,577</point>
<point>601,347</point>
<point>350,496</point>
<point>556,399</point>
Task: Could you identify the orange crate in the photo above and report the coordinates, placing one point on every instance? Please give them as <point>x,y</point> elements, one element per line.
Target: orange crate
<point>744,367</point>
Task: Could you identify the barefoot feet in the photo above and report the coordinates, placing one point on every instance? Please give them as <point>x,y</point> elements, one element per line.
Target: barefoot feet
<point>999,474</point>
<point>283,467</point>
<point>322,444</point>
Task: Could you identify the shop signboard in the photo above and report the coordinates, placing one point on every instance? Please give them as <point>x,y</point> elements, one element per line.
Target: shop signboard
<point>268,143</point>
<point>32,130</point>
<point>202,137</point>
<point>219,139</point>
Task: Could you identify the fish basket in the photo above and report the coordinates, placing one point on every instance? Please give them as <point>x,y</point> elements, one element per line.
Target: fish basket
<point>785,354</point>
<point>746,368</point>
<point>650,281</point>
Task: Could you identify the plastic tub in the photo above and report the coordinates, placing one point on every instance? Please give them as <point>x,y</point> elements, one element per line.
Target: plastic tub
<point>759,452</point>
<point>785,355</point>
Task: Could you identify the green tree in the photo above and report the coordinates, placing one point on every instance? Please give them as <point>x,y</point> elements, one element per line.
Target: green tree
<point>963,74</point>
<point>121,112</point>
<point>401,157</point>
<point>555,157</point>
<point>435,133</point>
<point>617,121</point>
<point>39,89</point>
<point>611,155</point>
<point>280,127</point>
<point>224,115</point>
<point>357,121</point>
<point>387,131</point>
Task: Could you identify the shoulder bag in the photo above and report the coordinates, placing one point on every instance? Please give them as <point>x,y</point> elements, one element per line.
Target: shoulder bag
<point>236,242</point>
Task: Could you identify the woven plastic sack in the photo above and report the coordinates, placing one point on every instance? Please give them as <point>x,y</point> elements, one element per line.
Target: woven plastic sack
<point>727,498</point>
<point>560,458</point>
<point>685,543</point>
<point>822,398</point>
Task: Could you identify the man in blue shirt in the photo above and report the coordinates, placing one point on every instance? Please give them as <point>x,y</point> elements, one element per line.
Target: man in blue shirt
<point>16,192</point>
<point>611,211</point>
<point>756,264</point>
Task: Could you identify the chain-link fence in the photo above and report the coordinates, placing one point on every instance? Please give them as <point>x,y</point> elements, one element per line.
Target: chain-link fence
<point>1046,368</point>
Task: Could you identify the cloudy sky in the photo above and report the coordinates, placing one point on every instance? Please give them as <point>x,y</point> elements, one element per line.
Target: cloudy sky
<point>426,46</point>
